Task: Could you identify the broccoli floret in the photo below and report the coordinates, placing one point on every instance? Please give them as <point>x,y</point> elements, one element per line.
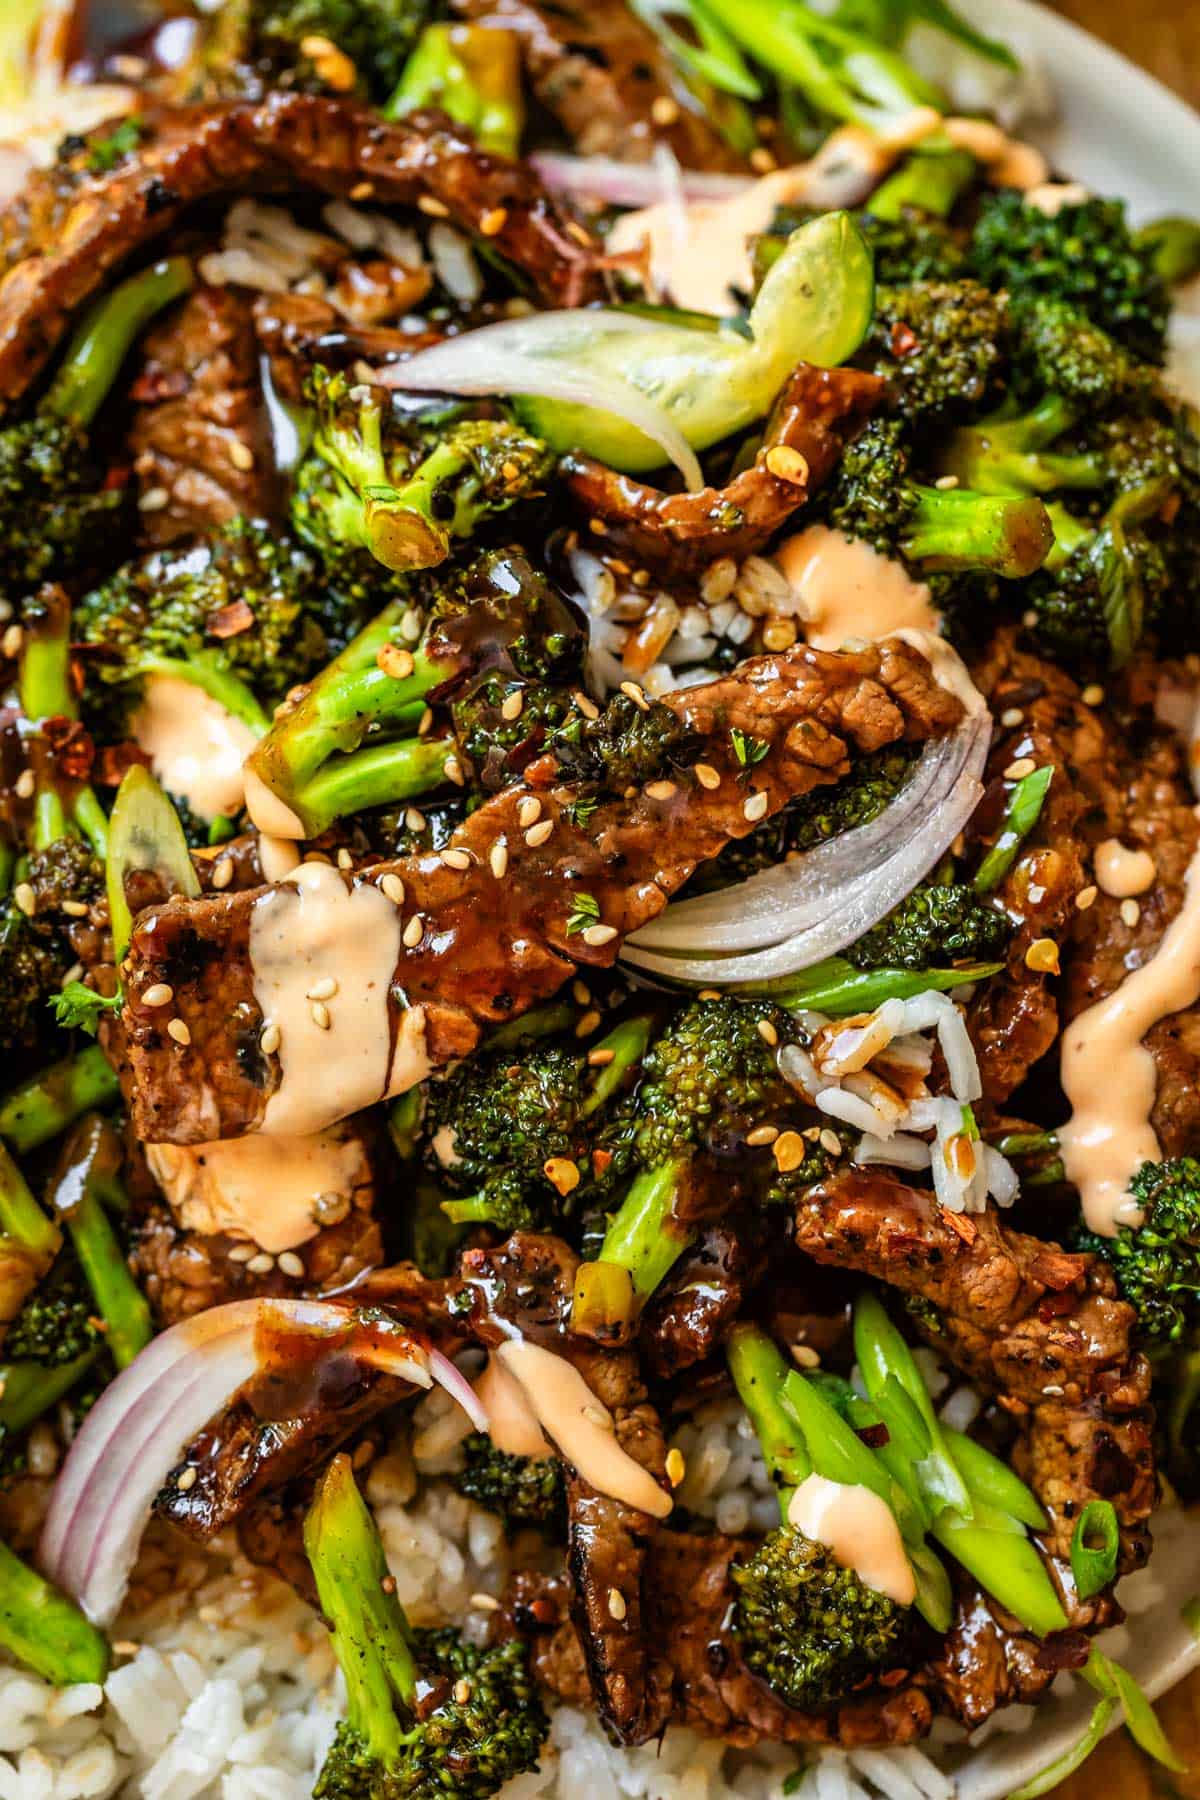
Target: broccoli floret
<point>1060,350</point>
<point>428,1717</point>
<point>35,951</point>
<point>911,247</point>
<point>938,345</point>
<point>1083,255</point>
<point>934,529</point>
<point>524,1490</point>
<point>1157,1263</point>
<point>57,1322</point>
<point>319,46</point>
<point>626,746</point>
<point>933,927</point>
<point>1104,586</point>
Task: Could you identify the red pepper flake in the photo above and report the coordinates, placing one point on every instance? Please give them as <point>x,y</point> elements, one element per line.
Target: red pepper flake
<point>71,746</point>
<point>903,338</point>
<point>156,383</point>
<point>966,1228</point>
<point>600,1161</point>
<point>116,478</point>
<point>231,620</point>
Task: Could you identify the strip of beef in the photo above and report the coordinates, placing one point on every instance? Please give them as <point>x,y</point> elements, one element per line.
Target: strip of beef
<point>528,1282</point>
<point>608,81</point>
<point>71,227</point>
<point>1041,1328</point>
<point>297,331</point>
<point>816,415</point>
<point>198,432</point>
<point>987,1661</point>
<point>491,944</point>
<point>688,1316</point>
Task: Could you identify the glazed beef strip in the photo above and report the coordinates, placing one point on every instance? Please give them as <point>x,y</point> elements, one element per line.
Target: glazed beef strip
<point>490,947</point>
<point>71,228</point>
<point>608,81</point>
<point>528,1281</point>
<point>687,1317</point>
<point>815,416</point>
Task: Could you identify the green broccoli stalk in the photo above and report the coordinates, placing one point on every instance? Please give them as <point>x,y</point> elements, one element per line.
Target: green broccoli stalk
<point>55,509</point>
<point>935,925</point>
<point>86,1184</point>
<point>930,181</point>
<point>36,1111</point>
<point>29,1241</point>
<point>523,1490</point>
<point>939,345</point>
<point>473,73</point>
<point>44,1630</point>
<point>1105,585</point>
<point>1011,452</point>
<point>62,805</point>
<point>1059,350</point>
<point>403,490</point>
<point>427,1716</point>
<point>932,528</point>
<point>811,1629</point>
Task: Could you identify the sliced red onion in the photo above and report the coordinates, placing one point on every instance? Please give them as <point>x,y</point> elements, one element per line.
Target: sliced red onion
<point>535,355</point>
<point>139,1428</point>
<point>630,184</point>
<point>458,1388</point>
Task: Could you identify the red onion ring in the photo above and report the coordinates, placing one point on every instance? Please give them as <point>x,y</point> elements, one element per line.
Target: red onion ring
<point>459,1388</point>
<point>616,183</point>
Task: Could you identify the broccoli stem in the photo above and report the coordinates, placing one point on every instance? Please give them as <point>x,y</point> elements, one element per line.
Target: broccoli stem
<point>541,1022</point>
<point>374,777</point>
<point>1011,455</point>
<point>1174,247</point>
<point>87,1171</point>
<point>371,1636</point>
<point>45,692</point>
<point>48,1102</point>
<point>474,74</point>
<point>627,1043</point>
<point>931,180</point>
<point>203,671</point>
<point>105,334</point>
<point>29,1240</point>
<point>759,1373</point>
<point>836,987</point>
<point>46,1631</point>
<point>954,529</point>
<point>30,1389</point>
<point>643,1243</point>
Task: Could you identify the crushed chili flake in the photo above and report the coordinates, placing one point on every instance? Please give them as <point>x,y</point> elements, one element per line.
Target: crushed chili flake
<point>966,1228</point>
<point>230,620</point>
<point>71,746</point>
<point>904,339</point>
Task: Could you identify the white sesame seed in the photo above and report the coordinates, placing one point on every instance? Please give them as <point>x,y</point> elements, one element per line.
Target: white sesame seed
<point>805,1357</point>
<point>587,1024</point>
<point>452,769</point>
<point>1053,1389</point>
<point>241,455</point>
<point>187,1479</point>
<point>756,806</point>
<point>537,834</point>
<point>393,887</point>
<point>1085,898</point>
<point>425,722</point>
<point>269,1039</point>
<point>676,1466</point>
<point>511,707</point>
<point>414,931</point>
<point>580,993</point>
<point>344,858</point>
<point>462,1691</point>
<point>456,859</point>
<point>154,500</point>
<point>767,1032</point>
<point>587,706</point>
<point>319,1013</point>
<point>484,1603</point>
<point>1017,771</point>
<point>633,692</point>
<point>25,784</point>
<point>12,640</point>
<point>498,860</point>
<point>617,1608</point>
<point>410,624</point>
<point>291,1264</point>
<point>25,898</point>
<point>1131,912</point>
<point>395,661</point>
<point>261,1264</point>
<point>598,935</point>
<point>330,1208</point>
<point>1093,694</point>
<point>529,810</point>
<point>829,1140</point>
<point>74,909</point>
<point>177,1029</point>
<point>324,989</point>
<point>241,1253</point>
<point>74,973</point>
<point>660,790</point>
<point>414,819</point>
<point>222,873</point>
<point>159,993</point>
<point>707,776</point>
<point>762,1134</point>
<point>1012,715</point>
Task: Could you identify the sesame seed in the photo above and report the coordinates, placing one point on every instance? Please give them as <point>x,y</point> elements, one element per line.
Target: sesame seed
<point>12,640</point>
<point>462,1691</point>
<point>600,1059</point>
<point>410,623</point>
<point>125,1646</point>
<point>1093,694</point>
<point>1017,771</point>
<point>261,1264</point>
<point>1131,912</point>
<point>787,464</point>
<point>587,706</point>
<point>414,931</point>
<point>617,1608</point>
<point>425,722</point>
<point>396,661</point>
<point>187,1479</point>
<point>761,161</point>
<point>676,1467</point>
<point>597,935</point>
<point>330,1208</point>
<point>241,455</point>
<point>362,190</point>
<point>1086,897</point>
<point>484,1603</point>
<point>75,909</point>
<point>498,860</point>
<point>767,1032</point>
<point>222,873</point>
<point>512,704</point>
<point>707,776</point>
<point>762,1134</point>
<point>155,499</point>
<point>529,811</point>
<point>74,973</point>
<point>1042,956</point>
<point>433,209</point>
<point>241,1253</point>
<point>537,834</point>
<point>344,858</point>
<point>561,1173</point>
<point>291,1264</point>
<point>587,1024</point>
<point>414,819</point>
<point>580,993</point>
<point>177,1029</point>
<point>452,769</point>
<point>319,1013</point>
<point>25,784</point>
<point>779,634</point>
<point>756,806</point>
<point>494,221</point>
<point>1012,715</point>
<point>1054,1390</point>
<point>392,886</point>
<point>1029,619</point>
<point>664,110</point>
<point>829,1140</point>
<point>25,898</point>
<point>804,1356</point>
<point>633,692</point>
<point>660,790</point>
<point>324,989</point>
<point>269,1039</point>
<point>946,482</point>
<point>456,859</point>
<point>159,993</point>
<point>788,1151</point>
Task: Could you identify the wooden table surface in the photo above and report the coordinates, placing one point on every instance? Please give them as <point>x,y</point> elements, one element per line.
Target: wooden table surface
<point>1164,36</point>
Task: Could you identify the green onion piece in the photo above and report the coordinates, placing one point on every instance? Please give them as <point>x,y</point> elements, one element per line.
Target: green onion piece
<point>539,1022</point>
<point>881,1351</point>
<point>1114,1682</point>
<point>935,1593</point>
<point>836,987</point>
<point>715,58</point>
<point>404,1123</point>
<point>760,1376</point>
<point>992,1481</point>
<point>1174,247</point>
<point>627,1041</point>
<point>144,833</point>
<point>1021,814</point>
<point>836,1450</point>
<point>1094,1565</point>
<point>1006,1566</point>
<point>1072,1759</point>
<point>45,1630</point>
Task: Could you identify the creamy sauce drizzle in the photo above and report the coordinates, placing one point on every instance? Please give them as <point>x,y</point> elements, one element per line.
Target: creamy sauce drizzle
<point>1122,872</point>
<point>277,857</point>
<point>1109,1076</point>
<point>308,930</point>
<point>859,1529</point>
<point>845,589</point>
<point>195,747</point>
<point>512,1423</point>
<point>261,1188</point>
<point>268,813</point>
<point>569,1413</point>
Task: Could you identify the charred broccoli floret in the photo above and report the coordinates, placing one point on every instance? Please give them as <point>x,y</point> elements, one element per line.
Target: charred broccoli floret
<point>939,347</point>
<point>403,486</point>
<point>911,246</point>
<point>57,1323</point>
<point>1104,585</point>
<point>524,1490</point>
<point>1060,350</point>
<point>428,1717</point>
<point>1157,1263</point>
<point>1083,255</point>
<point>330,46</point>
<point>871,496</point>
<point>934,926</point>
<point>626,746</point>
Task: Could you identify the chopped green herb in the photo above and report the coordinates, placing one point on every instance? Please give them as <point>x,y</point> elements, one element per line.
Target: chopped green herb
<point>79,1007</point>
<point>1094,1547</point>
<point>107,152</point>
<point>1071,1759</point>
<point>584,912</point>
<point>748,750</point>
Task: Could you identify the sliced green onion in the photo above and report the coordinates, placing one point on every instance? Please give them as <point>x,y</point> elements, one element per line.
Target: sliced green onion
<point>1021,813</point>
<point>144,834</point>
<point>992,1481</point>
<point>836,987</point>
<point>881,1351</point>
<point>1114,1682</point>
<point>1006,1566</point>
<point>1094,1565</point>
<point>1072,1759</point>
